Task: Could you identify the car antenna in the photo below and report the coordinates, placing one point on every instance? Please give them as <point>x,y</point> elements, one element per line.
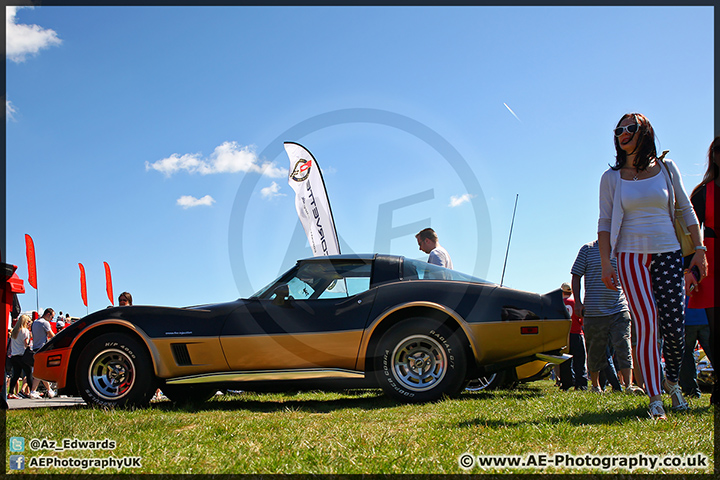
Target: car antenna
<point>508,245</point>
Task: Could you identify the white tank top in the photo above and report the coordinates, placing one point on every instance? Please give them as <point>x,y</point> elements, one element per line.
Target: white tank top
<point>646,225</point>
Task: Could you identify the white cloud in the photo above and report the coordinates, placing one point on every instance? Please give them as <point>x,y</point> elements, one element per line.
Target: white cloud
<point>22,40</point>
<point>456,201</point>
<point>271,192</point>
<point>187,201</point>
<point>227,158</point>
<point>10,110</point>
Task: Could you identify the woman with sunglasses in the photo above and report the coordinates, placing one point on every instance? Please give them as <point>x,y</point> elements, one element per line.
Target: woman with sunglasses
<point>703,200</point>
<point>637,206</point>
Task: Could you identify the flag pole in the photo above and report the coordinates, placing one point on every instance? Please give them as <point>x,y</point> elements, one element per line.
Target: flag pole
<point>508,244</point>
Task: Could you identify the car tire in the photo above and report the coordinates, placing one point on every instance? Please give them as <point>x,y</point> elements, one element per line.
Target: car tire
<point>419,360</point>
<point>115,370</point>
<point>188,394</point>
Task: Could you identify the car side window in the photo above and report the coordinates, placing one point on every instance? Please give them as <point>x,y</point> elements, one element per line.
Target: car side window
<point>346,287</point>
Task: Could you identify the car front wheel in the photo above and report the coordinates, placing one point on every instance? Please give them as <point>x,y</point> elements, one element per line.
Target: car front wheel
<point>115,370</point>
<point>419,360</point>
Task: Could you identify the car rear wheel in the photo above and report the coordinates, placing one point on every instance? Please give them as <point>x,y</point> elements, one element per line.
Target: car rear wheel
<point>489,382</point>
<point>114,370</point>
<point>420,360</point>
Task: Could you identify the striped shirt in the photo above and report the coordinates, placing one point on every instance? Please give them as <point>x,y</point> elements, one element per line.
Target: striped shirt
<point>599,301</point>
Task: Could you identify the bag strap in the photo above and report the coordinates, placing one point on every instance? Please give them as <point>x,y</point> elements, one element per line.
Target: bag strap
<point>662,161</point>
<point>672,185</point>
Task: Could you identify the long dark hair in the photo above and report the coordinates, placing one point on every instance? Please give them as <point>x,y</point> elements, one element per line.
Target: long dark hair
<point>645,151</point>
<point>712,169</point>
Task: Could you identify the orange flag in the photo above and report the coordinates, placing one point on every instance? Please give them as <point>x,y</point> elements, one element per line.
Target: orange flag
<point>32,269</point>
<point>108,283</point>
<point>83,284</point>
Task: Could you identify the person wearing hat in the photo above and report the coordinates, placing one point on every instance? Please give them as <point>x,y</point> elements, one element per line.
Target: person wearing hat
<point>573,373</point>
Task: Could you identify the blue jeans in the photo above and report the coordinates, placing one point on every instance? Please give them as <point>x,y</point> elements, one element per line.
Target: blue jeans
<point>573,372</point>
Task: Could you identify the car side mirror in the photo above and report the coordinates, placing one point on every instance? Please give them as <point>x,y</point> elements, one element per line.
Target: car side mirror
<point>282,295</point>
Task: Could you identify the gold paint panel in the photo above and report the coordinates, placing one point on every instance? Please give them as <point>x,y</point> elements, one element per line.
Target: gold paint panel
<point>498,341</point>
<point>529,369</point>
<point>335,350</point>
<point>206,355</point>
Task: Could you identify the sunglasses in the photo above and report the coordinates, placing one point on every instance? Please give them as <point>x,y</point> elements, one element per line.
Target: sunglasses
<point>630,129</point>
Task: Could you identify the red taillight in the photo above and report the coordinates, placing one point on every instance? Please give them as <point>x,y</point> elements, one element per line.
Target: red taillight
<point>529,330</point>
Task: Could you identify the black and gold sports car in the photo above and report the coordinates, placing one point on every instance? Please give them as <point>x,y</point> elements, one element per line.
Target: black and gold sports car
<point>416,330</point>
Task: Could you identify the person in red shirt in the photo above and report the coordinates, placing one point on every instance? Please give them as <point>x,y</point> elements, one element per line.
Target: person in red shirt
<point>573,373</point>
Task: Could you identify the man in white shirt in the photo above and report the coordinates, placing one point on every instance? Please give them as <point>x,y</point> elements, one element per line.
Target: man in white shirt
<point>42,332</point>
<point>428,242</point>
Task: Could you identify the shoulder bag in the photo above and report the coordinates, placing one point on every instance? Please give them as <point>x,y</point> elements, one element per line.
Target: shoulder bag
<point>683,235</point>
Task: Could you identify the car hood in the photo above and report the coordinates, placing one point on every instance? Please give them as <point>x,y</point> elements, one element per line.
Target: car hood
<point>155,321</point>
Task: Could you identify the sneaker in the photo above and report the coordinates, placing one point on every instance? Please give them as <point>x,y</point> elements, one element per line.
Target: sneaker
<point>51,393</point>
<point>35,395</point>
<point>634,390</point>
<point>656,411</point>
<point>12,396</point>
<point>595,389</point>
<point>22,395</point>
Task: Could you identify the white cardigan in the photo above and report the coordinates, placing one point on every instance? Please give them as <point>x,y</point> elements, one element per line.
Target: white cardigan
<point>611,211</point>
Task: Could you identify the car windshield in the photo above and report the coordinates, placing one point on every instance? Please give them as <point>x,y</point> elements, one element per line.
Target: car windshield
<point>321,280</point>
<point>419,270</point>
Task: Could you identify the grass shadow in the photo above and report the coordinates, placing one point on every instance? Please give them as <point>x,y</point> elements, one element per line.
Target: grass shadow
<point>362,401</point>
<point>615,417</point>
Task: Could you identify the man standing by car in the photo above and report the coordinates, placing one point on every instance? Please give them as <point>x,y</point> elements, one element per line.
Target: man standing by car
<point>606,318</point>
<point>42,332</point>
<point>428,242</point>
<point>573,372</point>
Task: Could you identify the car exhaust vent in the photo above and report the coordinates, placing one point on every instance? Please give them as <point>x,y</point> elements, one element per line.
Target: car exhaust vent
<point>181,354</point>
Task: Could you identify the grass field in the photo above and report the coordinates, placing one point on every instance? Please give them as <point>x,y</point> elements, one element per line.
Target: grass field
<point>364,432</point>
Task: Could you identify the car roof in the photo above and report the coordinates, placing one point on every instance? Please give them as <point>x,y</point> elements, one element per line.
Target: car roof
<point>347,256</point>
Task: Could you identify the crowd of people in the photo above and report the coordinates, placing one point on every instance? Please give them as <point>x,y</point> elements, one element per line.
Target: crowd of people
<point>648,277</point>
<point>27,334</point>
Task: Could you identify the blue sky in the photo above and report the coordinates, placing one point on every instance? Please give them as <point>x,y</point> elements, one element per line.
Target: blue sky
<point>151,137</point>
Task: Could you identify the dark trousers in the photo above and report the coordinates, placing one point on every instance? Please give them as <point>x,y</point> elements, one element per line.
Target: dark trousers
<point>688,372</point>
<point>609,374</point>
<point>18,367</point>
<point>574,372</point>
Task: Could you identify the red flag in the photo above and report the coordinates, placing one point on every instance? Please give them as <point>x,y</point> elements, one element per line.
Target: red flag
<point>83,284</point>
<point>32,270</point>
<point>108,283</point>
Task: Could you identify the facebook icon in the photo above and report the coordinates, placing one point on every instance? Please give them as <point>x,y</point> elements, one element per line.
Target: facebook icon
<point>17,462</point>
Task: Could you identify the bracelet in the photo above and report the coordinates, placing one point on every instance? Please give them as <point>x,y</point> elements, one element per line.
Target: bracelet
<point>701,247</point>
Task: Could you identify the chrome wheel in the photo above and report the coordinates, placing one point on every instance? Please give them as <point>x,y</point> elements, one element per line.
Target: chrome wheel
<point>481,383</point>
<point>419,363</point>
<point>111,374</point>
